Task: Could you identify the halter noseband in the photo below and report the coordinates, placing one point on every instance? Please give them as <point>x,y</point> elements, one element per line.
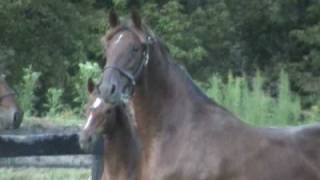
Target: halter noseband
<point>133,77</point>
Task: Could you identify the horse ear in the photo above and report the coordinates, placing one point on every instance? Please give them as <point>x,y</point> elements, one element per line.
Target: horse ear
<point>113,18</point>
<point>90,85</point>
<point>136,19</point>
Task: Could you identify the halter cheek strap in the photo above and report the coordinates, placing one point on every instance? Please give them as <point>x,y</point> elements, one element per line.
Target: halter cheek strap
<point>145,58</point>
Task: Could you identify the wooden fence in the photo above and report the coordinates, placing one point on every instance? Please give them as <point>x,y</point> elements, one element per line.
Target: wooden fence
<point>50,145</point>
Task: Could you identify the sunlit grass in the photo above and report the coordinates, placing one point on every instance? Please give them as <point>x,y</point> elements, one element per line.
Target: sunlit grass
<point>65,118</point>
<point>43,174</point>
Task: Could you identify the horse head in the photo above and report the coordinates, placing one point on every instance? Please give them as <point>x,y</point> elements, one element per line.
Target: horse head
<point>100,116</point>
<point>127,52</point>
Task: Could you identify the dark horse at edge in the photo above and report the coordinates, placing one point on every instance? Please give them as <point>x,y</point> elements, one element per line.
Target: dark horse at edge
<point>185,135</point>
<point>11,114</point>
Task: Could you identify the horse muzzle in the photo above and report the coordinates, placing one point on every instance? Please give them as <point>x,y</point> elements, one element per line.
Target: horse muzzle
<point>89,142</point>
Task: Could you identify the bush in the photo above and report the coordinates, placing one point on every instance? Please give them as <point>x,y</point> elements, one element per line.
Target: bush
<point>87,70</point>
<point>27,87</point>
<point>287,108</point>
<point>54,101</point>
<point>250,102</point>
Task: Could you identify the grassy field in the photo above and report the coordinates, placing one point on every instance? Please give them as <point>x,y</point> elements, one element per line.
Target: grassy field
<point>43,174</point>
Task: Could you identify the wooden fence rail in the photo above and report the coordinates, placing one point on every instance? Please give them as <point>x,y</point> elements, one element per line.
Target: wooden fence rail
<point>50,145</point>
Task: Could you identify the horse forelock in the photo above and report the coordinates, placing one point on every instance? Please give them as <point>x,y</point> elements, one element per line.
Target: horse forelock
<point>111,33</point>
<point>144,31</point>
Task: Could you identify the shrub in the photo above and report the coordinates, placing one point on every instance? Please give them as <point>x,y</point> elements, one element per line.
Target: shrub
<point>26,90</point>
<point>287,108</point>
<point>250,102</point>
<point>54,101</point>
<point>87,70</point>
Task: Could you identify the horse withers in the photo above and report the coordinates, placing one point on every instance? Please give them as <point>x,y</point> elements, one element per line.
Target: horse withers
<point>121,144</point>
<point>11,114</point>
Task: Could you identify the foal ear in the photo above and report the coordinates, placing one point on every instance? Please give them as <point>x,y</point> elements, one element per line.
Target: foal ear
<point>90,85</point>
<point>113,18</point>
<point>136,19</point>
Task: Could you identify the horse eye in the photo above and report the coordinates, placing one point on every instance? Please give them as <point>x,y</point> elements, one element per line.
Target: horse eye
<point>135,49</point>
<point>108,111</point>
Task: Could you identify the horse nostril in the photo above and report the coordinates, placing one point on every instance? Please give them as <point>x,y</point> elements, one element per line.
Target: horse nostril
<point>113,89</point>
<point>89,139</point>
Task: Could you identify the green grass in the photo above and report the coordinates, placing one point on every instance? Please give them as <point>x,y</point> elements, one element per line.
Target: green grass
<point>65,118</point>
<point>43,174</point>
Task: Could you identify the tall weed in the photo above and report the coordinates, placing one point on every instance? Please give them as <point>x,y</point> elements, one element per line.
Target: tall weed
<point>250,102</point>
<point>26,90</point>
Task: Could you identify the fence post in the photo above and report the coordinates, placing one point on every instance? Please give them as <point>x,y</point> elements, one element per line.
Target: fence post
<point>97,160</point>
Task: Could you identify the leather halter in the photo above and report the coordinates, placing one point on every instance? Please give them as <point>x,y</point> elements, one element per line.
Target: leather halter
<point>133,77</point>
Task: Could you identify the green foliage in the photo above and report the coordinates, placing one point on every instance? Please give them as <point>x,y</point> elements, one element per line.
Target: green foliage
<point>253,104</point>
<point>208,37</point>
<point>306,71</point>
<point>27,90</point>
<point>314,113</point>
<point>175,27</point>
<point>54,101</point>
<point>52,36</point>
<point>288,106</point>
<point>87,70</point>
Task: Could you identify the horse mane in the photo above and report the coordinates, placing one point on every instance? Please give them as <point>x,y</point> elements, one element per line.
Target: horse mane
<point>111,33</point>
<point>124,26</point>
<point>181,70</point>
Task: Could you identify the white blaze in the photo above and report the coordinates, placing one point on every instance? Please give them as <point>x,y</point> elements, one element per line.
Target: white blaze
<point>119,37</point>
<point>95,105</point>
<point>88,122</point>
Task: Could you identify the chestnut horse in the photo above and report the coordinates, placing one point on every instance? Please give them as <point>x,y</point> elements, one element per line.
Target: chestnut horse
<point>122,152</point>
<point>185,135</point>
<point>11,114</point>
<point>121,158</point>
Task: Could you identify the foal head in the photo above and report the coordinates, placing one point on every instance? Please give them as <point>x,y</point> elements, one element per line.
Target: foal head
<point>127,53</point>
<point>100,116</point>
<point>11,114</point>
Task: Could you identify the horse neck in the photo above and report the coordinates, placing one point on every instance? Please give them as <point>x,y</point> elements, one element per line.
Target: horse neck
<point>122,151</point>
<point>162,88</point>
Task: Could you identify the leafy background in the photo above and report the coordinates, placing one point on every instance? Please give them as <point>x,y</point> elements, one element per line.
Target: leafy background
<point>210,37</point>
